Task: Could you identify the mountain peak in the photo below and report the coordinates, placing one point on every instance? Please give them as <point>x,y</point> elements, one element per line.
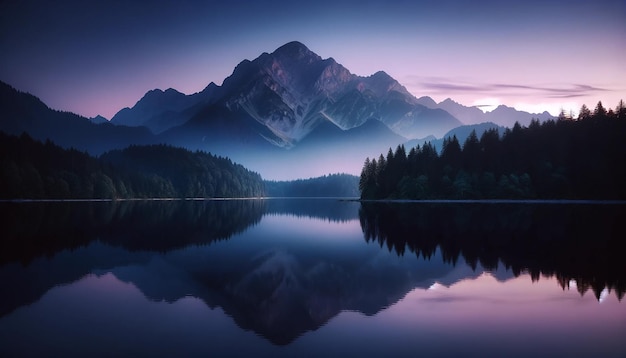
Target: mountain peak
<point>381,75</point>
<point>292,48</point>
<point>448,100</point>
<point>211,86</point>
<point>158,95</point>
<point>294,51</point>
<point>427,101</point>
<point>98,119</point>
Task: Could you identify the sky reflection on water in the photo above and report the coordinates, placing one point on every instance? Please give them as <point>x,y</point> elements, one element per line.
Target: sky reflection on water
<point>293,285</point>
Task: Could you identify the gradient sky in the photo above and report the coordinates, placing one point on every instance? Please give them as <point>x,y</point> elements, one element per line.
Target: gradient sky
<point>96,57</point>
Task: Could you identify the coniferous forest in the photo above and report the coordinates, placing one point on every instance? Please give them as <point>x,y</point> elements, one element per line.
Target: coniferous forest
<point>34,170</point>
<point>581,158</point>
<point>333,185</point>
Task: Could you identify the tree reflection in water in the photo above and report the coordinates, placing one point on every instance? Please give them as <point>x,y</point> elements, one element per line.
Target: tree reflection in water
<point>580,242</point>
<point>281,278</point>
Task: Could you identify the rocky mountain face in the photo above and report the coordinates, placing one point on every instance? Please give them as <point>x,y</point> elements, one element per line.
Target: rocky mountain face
<point>290,92</point>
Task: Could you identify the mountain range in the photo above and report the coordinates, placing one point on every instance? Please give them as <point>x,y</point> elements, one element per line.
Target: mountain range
<point>501,115</point>
<point>286,109</point>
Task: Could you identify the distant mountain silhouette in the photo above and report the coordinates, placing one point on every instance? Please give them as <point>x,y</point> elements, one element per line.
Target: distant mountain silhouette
<point>21,112</point>
<point>161,110</point>
<point>98,119</point>
<point>502,115</point>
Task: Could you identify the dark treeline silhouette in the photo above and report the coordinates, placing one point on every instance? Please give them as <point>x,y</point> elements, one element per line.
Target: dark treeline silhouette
<point>34,170</point>
<point>571,242</point>
<point>333,185</point>
<point>562,159</point>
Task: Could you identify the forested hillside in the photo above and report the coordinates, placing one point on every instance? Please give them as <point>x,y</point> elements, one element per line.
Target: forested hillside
<point>191,174</point>
<point>34,170</point>
<point>581,158</point>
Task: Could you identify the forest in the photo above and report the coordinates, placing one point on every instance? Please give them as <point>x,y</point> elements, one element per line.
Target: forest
<point>31,169</point>
<point>567,158</point>
<point>333,185</point>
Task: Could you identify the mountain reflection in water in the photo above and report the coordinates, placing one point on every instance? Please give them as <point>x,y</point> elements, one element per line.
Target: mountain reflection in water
<point>281,268</point>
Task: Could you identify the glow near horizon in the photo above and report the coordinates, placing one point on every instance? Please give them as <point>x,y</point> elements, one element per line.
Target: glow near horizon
<point>98,58</point>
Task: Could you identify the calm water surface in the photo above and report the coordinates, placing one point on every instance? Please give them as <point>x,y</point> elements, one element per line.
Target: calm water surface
<point>312,278</point>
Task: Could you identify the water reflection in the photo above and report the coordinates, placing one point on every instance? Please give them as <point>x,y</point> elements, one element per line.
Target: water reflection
<point>283,269</point>
<point>580,243</point>
<point>34,229</point>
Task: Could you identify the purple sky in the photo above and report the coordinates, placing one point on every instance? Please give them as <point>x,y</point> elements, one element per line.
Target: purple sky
<point>96,57</point>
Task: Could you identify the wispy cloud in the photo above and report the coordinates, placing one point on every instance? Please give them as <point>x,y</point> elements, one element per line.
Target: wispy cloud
<point>447,86</point>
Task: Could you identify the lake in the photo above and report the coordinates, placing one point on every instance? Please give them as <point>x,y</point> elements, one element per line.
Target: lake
<point>311,278</point>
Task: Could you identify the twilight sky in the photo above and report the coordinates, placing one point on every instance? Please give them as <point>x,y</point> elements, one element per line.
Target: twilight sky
<point>96,57</point>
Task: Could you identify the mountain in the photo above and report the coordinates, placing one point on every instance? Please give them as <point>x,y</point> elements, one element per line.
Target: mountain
<point>502,115</point>
<point>292,90</point>
<point>22,112</point>
<point>467,115</point>
<point>507,116</point>
<point>293,109</point>
<point>284,96</point>
<point>98,120</point>
<point>161,110</point>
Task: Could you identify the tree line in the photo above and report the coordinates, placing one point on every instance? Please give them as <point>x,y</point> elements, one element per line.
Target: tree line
<point>332,185</point>
<point>30,169</point>
<point>567,158</point>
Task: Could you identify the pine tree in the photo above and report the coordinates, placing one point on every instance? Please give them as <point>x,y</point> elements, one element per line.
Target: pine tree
<point>599,111</point>
<point>471,152</point>
<point>451,153</point>
<point>620,110</point>
<point>584,113</point>
<point>365,175</point>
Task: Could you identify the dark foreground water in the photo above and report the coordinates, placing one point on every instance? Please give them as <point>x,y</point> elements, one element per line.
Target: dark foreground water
<point>312,278</point>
